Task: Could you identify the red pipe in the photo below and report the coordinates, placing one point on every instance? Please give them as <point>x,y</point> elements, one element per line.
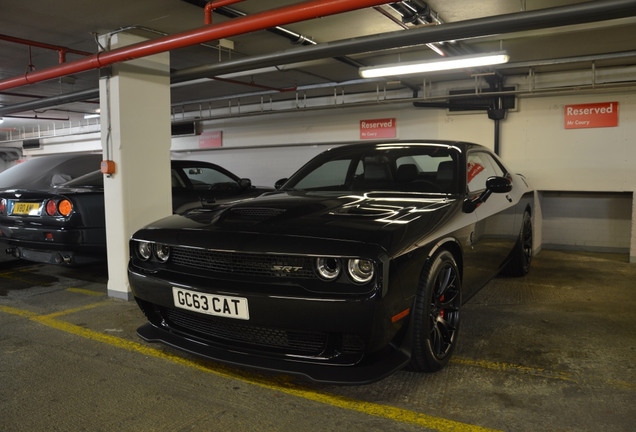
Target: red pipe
<point>213,4</point>
<point>42,45</point>
<point>250,23</point>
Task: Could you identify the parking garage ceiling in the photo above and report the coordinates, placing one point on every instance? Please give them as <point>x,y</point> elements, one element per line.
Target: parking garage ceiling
<point>316,57</point>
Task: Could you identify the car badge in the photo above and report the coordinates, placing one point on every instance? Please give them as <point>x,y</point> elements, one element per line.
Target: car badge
<point>18,195</point>
<point>286,269</point>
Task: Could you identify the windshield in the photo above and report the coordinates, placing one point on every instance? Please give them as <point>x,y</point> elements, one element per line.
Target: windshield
<point>430,168</point>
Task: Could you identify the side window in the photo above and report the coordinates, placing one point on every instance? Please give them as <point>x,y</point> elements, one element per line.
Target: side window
<point>480,166</point>
<point>204,177</point>
<point>331,174</point>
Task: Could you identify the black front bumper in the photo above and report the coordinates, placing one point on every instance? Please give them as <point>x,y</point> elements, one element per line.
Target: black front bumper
<point>372,368</point>
<point>329,339</point>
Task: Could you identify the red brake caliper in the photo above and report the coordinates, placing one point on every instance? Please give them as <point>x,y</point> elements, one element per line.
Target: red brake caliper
<point>441,311</point>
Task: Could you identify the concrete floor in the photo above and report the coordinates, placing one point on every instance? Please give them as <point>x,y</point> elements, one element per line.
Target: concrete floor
<point>554,351</point>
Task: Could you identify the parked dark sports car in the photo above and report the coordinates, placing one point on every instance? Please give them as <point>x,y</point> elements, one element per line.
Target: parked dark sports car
<point>356,267</point>
<point>65,224</point>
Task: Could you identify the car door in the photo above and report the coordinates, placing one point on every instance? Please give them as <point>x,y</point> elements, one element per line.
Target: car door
<point>492,238</point>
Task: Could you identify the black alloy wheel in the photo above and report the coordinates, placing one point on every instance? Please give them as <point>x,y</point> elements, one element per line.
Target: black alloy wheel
<point>436,314</point>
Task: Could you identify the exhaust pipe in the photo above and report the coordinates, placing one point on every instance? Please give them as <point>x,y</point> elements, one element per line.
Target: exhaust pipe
<point>59,258</point>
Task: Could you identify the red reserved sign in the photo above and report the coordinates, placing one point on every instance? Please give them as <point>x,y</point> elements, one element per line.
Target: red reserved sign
<point>473,169</point>
<point>378,128</point>
<point>211,139</point>
<point>596,115</point>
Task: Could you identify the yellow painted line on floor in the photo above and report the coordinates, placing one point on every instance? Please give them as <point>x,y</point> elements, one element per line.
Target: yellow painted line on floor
<point>85,292</point>
<point>12,276</point>
<point>74,310</point>
<point>623,385</point>
<point>18,312</point>
<point>505,367</point>
<point>368,408</point>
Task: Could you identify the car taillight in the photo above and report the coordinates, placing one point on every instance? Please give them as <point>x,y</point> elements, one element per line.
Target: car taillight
<point>3,205</point>
<point>65,207</point>
<point>50,208</point>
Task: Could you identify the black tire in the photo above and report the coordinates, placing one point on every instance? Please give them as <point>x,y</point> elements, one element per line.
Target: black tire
<point>436,314</point>
<point>521,256</point>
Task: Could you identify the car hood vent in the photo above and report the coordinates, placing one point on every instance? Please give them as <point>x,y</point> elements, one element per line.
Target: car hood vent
<point>254,213</point>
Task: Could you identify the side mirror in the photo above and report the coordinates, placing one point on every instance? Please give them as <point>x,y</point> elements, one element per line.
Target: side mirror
<point>493,185</point>
<point>245,183</point>
<point>279,183</point>
<point>499,184</point>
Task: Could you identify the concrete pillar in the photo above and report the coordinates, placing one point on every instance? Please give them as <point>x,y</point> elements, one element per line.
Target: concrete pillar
<point>135,134</point>
<point>632,243</point>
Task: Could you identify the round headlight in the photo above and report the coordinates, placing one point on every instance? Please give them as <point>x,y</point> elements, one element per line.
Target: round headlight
<point>328,268</point>
<point>360,270</point>
<point>162,252</point>
<point>144,250</point>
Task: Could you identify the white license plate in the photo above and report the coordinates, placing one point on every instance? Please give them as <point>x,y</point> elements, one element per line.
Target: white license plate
<point>211,304</point>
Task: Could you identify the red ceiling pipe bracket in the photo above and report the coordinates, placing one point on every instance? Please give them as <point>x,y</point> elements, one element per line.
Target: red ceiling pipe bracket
<point>261,21</point>
<point>213,4</point>
<point>62,51</point>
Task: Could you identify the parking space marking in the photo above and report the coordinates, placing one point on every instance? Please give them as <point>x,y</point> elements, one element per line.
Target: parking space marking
<point>73,310</point>
<point>85,292</point>
<point>13,275</point>
<point>504,367</point>
<point>368,408</point>
<point>19,312</point>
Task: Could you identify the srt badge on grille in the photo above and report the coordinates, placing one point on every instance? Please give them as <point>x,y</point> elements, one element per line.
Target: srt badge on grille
<point>286,269</point>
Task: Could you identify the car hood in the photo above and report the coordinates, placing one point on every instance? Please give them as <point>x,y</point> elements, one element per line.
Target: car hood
<point>305,216</point>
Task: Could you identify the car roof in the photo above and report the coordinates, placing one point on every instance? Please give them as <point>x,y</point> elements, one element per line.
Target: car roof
<point>43,172</point>
<point>461,145</point>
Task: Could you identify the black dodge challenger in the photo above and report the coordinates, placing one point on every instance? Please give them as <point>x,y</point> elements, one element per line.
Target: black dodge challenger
<point>355,267</point>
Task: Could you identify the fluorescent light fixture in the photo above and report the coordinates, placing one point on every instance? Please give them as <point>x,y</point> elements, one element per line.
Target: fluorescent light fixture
<point>94,114</point>
<point>458,62</point>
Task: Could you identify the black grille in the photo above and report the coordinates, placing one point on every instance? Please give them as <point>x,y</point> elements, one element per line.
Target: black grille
<point>249,264</point>
<point>293,342</point>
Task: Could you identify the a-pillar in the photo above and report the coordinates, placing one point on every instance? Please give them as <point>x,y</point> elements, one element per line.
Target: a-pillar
<point>135,133</point>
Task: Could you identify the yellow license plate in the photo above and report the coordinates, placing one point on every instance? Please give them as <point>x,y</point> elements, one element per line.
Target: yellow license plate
<point>25,208</point>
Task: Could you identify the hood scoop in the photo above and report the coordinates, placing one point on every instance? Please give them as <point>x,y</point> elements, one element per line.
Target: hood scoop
<point>252,213</point>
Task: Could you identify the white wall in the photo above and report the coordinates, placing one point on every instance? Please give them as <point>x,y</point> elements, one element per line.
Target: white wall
<point>535,142</point>
<point>589,221</point>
